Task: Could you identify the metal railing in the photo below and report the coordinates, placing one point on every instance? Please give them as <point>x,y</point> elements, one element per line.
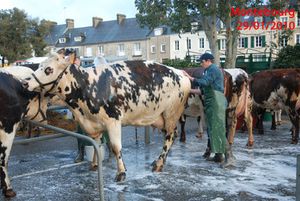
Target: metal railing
<point>64,133</point>
<point>73,134</point>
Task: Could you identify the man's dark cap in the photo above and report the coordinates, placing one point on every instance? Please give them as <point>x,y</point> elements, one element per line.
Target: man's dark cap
<point>206,56</point>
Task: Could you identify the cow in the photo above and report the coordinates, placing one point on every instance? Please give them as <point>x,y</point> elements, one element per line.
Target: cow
<point>16,102</point>
<point>193,107</point>
<point>137,93</point>
<point>278,89</point>
<point>236,90</point>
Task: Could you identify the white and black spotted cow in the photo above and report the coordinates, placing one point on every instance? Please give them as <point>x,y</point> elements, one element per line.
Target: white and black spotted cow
<point>111,95</point>
<point>193,108</point>
<point>15,102</point>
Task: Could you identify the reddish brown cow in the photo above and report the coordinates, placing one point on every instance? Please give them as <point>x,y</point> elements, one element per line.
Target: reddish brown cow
<point>279,89</point>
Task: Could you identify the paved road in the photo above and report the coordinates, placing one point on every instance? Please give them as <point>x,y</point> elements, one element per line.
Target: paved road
<point>44,171</point>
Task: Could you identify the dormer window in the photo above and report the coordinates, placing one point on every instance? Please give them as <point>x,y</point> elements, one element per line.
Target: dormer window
<point>194,27</point>
<point>158,31</point>
<point>62,40</point>
<point>78,39</point>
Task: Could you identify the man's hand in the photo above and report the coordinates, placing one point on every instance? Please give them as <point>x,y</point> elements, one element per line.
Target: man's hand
<point>187,75</point>
<point>196,91</point>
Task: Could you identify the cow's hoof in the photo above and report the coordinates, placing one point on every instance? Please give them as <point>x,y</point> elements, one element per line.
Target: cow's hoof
<point>228,163</point>
<point>250,144</point>
<point>93,167</point>
<point>182,139</point>
<point>9,193</point>
<point>120,177</point>
<point>294,141</point>
<point>199,135</point>
<point>156,168</point>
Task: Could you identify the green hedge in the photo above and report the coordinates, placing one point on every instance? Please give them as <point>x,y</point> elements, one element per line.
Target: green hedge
<point>288,57</point>
<point>177,63</point>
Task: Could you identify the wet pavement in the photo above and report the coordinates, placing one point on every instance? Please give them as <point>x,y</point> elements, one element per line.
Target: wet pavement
<point>44,171</point>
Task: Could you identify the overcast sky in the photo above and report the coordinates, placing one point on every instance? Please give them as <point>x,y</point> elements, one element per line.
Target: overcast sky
<point>81,11</point>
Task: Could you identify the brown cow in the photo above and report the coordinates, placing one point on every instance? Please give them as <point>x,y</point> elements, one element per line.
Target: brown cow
<point>279,89</point>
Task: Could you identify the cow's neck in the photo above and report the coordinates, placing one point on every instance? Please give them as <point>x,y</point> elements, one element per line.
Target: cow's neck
<point>87,89</point>
<point>71,86</point>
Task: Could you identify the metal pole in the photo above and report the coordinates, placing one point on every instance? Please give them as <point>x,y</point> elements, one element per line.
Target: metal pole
<point>298,179</point>
<point>83,137</point>
<point>147,135</point>
<point>47,137</point>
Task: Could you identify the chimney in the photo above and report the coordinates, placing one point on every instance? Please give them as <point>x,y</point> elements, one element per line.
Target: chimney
<point>97,21</point>
<point>121,18</point>
<point>70,23</point>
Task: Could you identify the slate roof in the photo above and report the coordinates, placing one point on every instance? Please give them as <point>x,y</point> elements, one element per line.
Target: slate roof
<point>55,32</point>
<point>106,32</point>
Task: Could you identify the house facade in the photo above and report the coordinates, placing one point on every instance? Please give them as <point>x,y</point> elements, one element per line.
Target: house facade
<point>123,39</point>
<point>117,39</point>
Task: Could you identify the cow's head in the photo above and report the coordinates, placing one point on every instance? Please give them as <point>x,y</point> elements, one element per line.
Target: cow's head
<point>46,77</point>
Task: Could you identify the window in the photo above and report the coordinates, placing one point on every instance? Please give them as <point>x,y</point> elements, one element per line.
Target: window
<point>153,49</point>
<point>78,39</point>
<point>137,49</point>
<point>121,50</point>
<point>101,50</point>
<point>163,48</point>
<point>258,41</point>
<point>283,19</point>
<point>201,43</point>
<point>62,40</point>
<point>222,25</point>
<point>176,44</point>
<point>189,44</point>
<point>284,41</point>
<point>259,57</point>
<point>158,31</point>
<point>243,42</point>
<point>222,44</point>
<point>298,39</point>
<point>89,52</point>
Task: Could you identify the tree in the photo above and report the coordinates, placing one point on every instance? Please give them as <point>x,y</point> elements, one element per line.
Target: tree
<point>14,43</point>
<point>38,31</point>
<point>180,14</point>
<point>20,35</point>
<point>288,57</point>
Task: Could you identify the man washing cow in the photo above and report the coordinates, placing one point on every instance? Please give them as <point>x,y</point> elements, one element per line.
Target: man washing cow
<point>212,85</point>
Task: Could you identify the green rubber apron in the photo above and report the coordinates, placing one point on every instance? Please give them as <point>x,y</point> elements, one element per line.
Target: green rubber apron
<point>215,106</point>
